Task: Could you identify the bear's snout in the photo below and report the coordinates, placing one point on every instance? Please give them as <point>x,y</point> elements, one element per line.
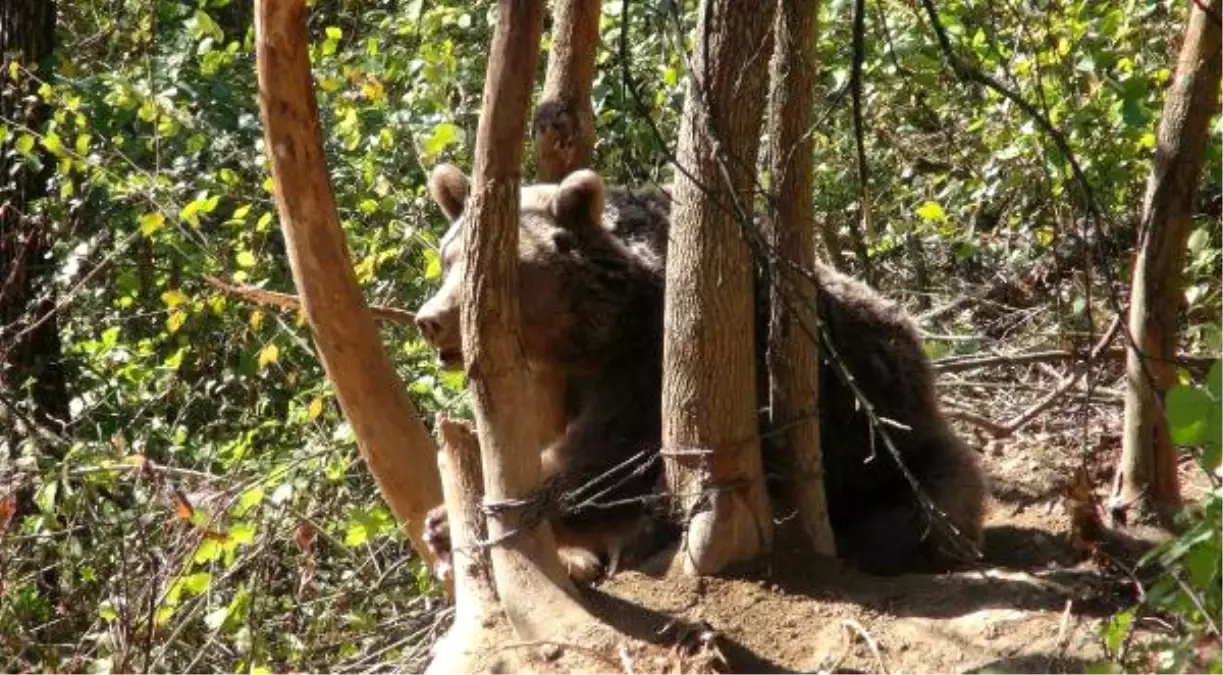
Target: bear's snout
<point>438,323</point>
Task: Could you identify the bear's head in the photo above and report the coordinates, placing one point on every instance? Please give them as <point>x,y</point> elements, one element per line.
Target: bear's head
<point>560,232</point>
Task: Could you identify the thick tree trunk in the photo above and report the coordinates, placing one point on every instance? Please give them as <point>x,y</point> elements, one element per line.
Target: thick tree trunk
<point>1147,477</point>
<point>390,434</point>
<point>565,119</point>
<point>33,387</point>
<point>31,369</point>
<point>710,439</point>
<point>793,353</point>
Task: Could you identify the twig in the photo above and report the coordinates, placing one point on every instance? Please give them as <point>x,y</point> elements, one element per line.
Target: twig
<point>862,226</point>
<point>989,425</point>
<point>870,642</point>
<point>286,301</point>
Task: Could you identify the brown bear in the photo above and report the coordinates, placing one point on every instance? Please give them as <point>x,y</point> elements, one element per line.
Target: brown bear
<point>591,269</point>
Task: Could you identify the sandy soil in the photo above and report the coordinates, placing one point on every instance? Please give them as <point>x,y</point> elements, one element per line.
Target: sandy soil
<point>1034,604</point>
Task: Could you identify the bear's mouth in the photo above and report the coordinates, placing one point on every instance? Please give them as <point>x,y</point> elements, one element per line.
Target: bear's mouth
<point>450,359</point>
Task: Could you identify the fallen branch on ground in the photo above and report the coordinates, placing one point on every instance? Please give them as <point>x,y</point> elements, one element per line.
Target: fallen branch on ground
<point>287,301</point>
<point>1005,429</point>
<point>953,364</point>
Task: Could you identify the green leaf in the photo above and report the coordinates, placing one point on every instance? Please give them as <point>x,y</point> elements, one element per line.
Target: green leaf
<point>52,143</point>
<point>356,534</point>
<point>150,223</point>
<point>248,500</point>
<point>334,32</point>
<point>1214,381</point>
<point>1117,629</point>
<point>1202,565</point>
<point>931,211</point>
<point>175,360</point>
<point>241,533</point>
<point>443,136</point>
<point>1187,410</point>
<point>190,213</point>
<point>197,583</point>
<point>433,265</point>
<point>25,144</point>
<point>106,611</point>
<point>207,551</point>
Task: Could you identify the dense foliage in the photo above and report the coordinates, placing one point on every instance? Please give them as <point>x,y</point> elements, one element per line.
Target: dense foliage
<point>208,509</point>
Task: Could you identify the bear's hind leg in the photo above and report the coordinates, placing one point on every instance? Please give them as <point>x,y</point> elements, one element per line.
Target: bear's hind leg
<point>899,536</point>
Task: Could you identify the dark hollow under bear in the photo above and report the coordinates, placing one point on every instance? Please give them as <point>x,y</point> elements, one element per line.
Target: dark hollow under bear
<point>591,269</point>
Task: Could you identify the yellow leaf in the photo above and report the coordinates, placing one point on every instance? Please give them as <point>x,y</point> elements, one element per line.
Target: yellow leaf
<point>315,409</point>
<point>256,319</point>
<point>268,355</point>
<point>151,222</point>
<point>173,298</point>
<point>175,321</point>
<point>246,259</point>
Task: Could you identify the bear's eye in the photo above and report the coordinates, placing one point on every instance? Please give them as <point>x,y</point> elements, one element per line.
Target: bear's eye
<point>564,241</point>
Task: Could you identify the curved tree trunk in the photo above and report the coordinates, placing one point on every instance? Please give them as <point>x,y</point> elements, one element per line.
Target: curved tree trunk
<point>1147,477</point>
<point>710,438</point>
<point>565,119</point>
<point>793,352</point>
<point>390,434</point>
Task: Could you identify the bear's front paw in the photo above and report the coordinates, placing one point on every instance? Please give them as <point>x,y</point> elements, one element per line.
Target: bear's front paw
<point>437,538</point>
<point>583,564</point>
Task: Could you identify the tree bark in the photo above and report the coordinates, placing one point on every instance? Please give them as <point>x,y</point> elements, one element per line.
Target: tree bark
<point>1147,478</point>
<point>34,400</point>
<point>565,119</point>
<point>470,644</point>
<point>390,434</point>
<point>793,352</point>
<point>536,594</point>
<point>710,438</point>
<point>30,350</point>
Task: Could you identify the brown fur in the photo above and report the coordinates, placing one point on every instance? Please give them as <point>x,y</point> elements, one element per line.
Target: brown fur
<point>591,286</point>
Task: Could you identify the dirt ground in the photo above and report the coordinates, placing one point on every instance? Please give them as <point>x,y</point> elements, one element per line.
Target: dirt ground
<point>1034,604</point>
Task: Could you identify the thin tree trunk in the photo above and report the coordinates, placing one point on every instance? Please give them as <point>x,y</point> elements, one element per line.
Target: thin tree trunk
<point>473,636</point>
<point>32,379</point>
<point>565,119</point>
<point>393,440</point>
<point>793,353</point>
<point>1147,476</point>
<point>564,140</point>
<point>710,438</point>
<point>536,594</point>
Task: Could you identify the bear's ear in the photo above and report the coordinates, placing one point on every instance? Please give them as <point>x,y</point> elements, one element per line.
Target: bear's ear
<point>449,187</point>
<point>578,201</point>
